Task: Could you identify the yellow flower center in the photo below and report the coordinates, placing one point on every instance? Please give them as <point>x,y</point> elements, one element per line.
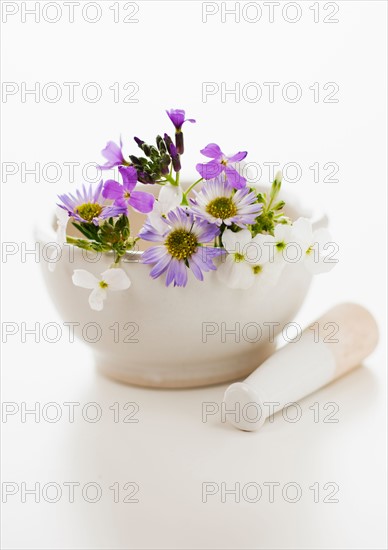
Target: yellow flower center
<point>181,244</point>
<point>103,284</point>
<point>238,257</point>
<point>257,269</point>
<point>222,208</point>
<point>89,210</point>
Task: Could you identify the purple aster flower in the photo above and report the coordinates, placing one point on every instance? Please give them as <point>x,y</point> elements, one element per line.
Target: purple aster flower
<point>182,248</point>
<point>89,206</point>
<point>221,163</point>
<point>114,155</point>
<point>124,194</point>
<point>177,117</point>
<point>218,203</point>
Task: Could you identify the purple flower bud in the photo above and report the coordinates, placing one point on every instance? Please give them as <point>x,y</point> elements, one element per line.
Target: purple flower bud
<point>168,142</point>
<point>144,177</point>
<point>176,163</point>
<point>138,141</point>
<point>165,169</point>
<point>173,150</point>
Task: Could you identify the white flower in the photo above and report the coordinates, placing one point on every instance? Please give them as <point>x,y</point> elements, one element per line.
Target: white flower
<point>283,244</point>
<point>111,279</point>
<point>314,246</point>
<point>62,220</point>
<point>298,242</point>
<point>247,261</point>
<point>170,196</point>
<point>286,245</point>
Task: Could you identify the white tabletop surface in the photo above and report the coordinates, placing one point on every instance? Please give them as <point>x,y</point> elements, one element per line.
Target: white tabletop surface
<point>171,452</point>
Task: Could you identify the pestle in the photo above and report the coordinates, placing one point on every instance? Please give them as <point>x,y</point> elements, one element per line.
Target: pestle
<point>331,347</point>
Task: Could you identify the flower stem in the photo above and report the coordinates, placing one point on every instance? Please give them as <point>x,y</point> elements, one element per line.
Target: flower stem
<point>192,186</point>
<point>81,243</point>
<point>171,180</point>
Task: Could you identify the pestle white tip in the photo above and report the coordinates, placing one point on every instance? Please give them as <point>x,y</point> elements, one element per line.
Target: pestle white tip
<point>243,407</point>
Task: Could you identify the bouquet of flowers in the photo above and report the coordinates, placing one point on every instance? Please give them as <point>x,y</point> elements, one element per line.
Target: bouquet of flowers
<point>218,223</point>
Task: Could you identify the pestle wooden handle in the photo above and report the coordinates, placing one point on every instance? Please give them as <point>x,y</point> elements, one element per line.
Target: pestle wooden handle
<point>357,335</point>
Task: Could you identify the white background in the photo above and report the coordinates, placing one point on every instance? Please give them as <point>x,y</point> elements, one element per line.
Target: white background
<point>170,452</point>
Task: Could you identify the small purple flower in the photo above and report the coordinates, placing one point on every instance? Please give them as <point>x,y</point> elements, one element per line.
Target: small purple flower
<point>89,206</point>
<point>221,163</point>
<point>177,117</point>
<point>124,195</point>
<point>219,203</point>
<point>182,248</point>
<point>114,155</point>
